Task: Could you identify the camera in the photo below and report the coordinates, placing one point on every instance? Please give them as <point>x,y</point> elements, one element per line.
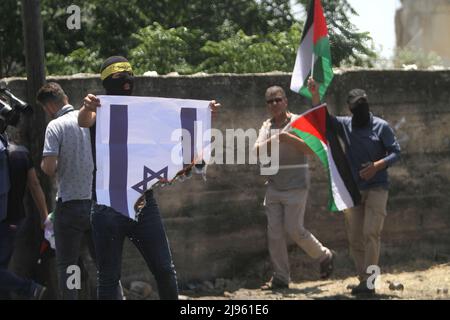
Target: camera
<point>10,108</point>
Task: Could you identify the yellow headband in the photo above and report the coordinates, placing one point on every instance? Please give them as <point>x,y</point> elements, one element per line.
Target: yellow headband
<point>115,68</point>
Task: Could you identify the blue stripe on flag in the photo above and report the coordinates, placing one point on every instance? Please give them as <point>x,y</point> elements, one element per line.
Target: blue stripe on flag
<point>118,158</point>
<point>188,118</point>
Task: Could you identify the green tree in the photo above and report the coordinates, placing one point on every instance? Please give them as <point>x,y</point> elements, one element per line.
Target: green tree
<point>12,59</point>
<point>253,17</point>
<point>162,50</point>
<point>108,25</point>
<point>242,53</point>
<point>80,60</point>
<point>117,27</point>
<point>57,37</point>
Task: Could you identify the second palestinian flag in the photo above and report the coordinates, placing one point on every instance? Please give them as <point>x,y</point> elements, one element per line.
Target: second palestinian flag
<point>316,128</point>
<point>313,45</point>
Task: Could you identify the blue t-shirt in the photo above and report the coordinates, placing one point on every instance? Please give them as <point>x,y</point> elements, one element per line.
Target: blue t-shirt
<point>371,143</point>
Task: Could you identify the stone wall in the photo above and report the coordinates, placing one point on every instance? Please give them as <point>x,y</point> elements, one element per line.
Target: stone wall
<point>216,228</point>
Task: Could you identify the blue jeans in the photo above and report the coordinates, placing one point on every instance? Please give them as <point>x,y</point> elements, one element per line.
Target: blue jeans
<point>10,282</point>
<point>109,230</point>
<point>72,224</point>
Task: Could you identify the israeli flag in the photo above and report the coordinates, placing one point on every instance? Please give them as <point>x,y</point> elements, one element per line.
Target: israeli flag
<point>140,140</point>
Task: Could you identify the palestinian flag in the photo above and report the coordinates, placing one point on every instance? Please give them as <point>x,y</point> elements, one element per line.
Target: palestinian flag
<point>318,131</point>
<point>314,45</point>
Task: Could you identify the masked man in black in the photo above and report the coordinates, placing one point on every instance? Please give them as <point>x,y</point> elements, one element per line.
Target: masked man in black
<point>371,148</point>
<point>109,226</point>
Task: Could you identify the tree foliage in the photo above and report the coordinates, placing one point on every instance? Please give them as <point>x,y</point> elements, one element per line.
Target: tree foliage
<point>162,50</point>
<point>11,42</point>
<point>186,36</point>
<point>274,51</point>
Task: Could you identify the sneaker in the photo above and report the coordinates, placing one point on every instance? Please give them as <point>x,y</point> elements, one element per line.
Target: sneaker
<point>275,284</point>
<point>362,289</point>
<point>38,292</point>
<point>327,266</point>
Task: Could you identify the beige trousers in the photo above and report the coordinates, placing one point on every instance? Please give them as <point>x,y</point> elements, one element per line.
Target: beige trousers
<point>285,212</point>
<point>364,224</point>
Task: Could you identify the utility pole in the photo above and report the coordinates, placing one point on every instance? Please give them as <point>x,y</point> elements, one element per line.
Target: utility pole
<point>35,65</point>
<point>29,240</point>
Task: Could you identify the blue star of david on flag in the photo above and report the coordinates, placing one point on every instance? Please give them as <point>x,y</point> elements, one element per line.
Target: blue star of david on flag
<point>148,176</point>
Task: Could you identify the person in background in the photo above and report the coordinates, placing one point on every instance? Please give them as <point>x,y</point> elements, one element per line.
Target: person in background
<point>67,155</point>
<point>287,193</point>
<point>16,175</point>
<point>372,149</point>
<point>111,227</point>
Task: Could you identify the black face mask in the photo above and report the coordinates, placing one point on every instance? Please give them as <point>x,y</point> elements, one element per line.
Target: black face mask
<point>115,87</point>
<point>361,115</point>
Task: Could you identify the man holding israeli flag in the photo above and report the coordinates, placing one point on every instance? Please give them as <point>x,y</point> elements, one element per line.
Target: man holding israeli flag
<point>134,142</point>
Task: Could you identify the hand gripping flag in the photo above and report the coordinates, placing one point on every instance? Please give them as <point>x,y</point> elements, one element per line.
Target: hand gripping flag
<point>141,140</point>
<point>316,128</point>
<point>313,55</point>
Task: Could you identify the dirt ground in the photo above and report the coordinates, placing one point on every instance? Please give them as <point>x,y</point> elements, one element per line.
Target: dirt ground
<point>419,279</point>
